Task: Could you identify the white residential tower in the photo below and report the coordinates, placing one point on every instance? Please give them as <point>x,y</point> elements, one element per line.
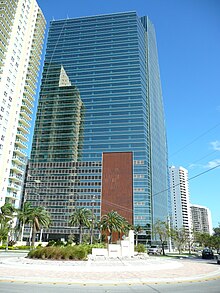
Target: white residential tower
<point>22,27</point>
<point>181,217</point>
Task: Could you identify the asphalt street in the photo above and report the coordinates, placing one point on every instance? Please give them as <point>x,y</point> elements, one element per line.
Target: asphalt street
<point>191,287</point>
<point>139,274</point>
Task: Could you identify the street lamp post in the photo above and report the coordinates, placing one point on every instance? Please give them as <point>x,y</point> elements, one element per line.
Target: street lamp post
<point>169,239</point>
<point>92,223</point>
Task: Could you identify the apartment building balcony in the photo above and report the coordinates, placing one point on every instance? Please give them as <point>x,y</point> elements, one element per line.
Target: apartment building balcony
<point>25,114</point>
<point>10,6</point>
<point>33,69</point>
<point>3,48</point>
<point>28,93</point>
<point>18,160</point>
<point>13,186</point>
<point>15,177</point>
<point>34,64</point>
<point>5,28</point>
<point>1,62</point>
<point>22,136</point>
<point>23,128</point>
<point>36,48</point>
<point>24,121</point>
<point>19,152</point>
<point>26,107</point>
<point>11,195</point>
<point>20,143</point>
<point>35,54</point>
<point>15,168</point>
<point>28,101</point>
<point>30,80</point>
<point>40,24</point>
<point>4,37</point>
<point>2,55</point>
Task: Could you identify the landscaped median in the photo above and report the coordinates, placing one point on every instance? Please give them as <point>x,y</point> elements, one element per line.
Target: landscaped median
<point>75,252</point>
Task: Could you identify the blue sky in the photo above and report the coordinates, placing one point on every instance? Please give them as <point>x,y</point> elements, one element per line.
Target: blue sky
<point>188,39</point>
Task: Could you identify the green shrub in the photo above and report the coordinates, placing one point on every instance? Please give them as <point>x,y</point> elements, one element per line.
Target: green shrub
<point>51,243</point>
<point>24,247</point>
<point>31,254</point>
<point>140,248</point>
<point>9,247</point>
<point>77,252</point>
<point>80,253</point>
<point>59,243</point>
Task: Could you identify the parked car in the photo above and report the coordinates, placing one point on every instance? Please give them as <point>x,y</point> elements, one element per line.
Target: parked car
<point>207,253</point>
<point>218,259</point>
<point>154,249</point>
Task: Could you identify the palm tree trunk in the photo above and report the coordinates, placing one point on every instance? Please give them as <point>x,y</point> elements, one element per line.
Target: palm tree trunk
<point>30,235</point>
<point>22,232</point>
<point>80,234</point>
<point>34,231</point>
<point>163,248</point>
<point>110,234</point>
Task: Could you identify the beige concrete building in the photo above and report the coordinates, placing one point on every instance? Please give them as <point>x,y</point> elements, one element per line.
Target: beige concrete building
<point>201,219</point>
<point>22,27</point>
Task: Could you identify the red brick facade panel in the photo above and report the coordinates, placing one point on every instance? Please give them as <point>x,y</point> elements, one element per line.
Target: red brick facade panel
<point>117,184</point>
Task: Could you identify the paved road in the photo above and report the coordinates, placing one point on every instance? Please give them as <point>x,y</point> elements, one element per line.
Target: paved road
<point>193,287</point>
<point>139,274</point>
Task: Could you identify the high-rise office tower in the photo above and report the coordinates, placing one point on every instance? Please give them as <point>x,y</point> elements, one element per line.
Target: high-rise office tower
<point>179,189</point>
<point>22,27</point>
<point>201,219</point>
<point>112,60</point>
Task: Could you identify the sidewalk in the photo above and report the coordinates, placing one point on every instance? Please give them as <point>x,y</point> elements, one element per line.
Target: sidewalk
<point>137,270</point>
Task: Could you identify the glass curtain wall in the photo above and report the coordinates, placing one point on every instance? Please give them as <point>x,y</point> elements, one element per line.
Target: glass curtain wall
<point>112,60</point>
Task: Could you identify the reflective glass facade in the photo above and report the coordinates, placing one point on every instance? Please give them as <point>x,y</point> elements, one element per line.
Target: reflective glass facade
<point>112,59</point>
<point>59,121</point>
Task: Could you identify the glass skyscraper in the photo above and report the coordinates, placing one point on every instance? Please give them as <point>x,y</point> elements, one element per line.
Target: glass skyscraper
<point>112,60</point>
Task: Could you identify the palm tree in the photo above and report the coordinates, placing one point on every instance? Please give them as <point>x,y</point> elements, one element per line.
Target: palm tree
<point>162,230</point>
<point>81,217</point>
<point>4,230</point>
<point>7,213</point>
<point>38,217</point>
<point>137,230</point>
<point>113,222</point>
<point>24,217</point>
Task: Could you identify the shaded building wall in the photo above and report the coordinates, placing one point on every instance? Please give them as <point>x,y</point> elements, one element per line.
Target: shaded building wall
<point>117,184</point>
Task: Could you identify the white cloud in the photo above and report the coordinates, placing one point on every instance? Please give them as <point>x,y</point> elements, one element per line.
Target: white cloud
<point>193,166</point>
<point>215,145</point>
<point>213,163</point>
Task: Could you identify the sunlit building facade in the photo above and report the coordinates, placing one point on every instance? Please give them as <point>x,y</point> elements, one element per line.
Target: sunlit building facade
<point>180,199</point>
<point>112,60</point>
<point>22,27</point>
<point>201,219</point>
